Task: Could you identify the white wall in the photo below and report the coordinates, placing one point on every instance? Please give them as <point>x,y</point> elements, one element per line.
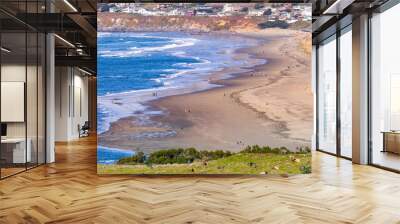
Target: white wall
<point>9,73</point>
<point>360,90</point>
<point>62,82</point>
<point>71,102</point>
<point>33,126</point>
<point>17,73</point>
<point>50,96</point>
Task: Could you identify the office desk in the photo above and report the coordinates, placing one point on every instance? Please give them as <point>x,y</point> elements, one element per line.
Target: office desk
<point>16,147</point>
<point>391,142</point>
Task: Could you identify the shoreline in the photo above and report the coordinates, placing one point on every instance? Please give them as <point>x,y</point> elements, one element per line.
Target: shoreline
<point>139,99</point>
<point>241,90</point>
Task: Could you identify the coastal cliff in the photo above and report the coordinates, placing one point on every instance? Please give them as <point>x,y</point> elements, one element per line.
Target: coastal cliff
<point>128,22</point>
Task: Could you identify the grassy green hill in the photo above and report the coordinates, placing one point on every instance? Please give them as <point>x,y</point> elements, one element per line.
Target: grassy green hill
<point>240,163</point>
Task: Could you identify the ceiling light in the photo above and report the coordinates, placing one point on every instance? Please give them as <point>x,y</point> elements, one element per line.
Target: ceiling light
<point>64,40</point>
<point>70,5</point>
<point>86,72</point>
<point>5,50</point>
<point>79,51</point>
<point>337,7</point>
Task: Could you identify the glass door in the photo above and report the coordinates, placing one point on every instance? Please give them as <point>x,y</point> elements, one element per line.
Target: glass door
<point>327,95</point>
<point>385,89</point>
<point>346,92</point>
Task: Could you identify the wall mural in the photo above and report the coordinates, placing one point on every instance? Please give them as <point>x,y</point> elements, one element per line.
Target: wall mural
<point>211,88</point>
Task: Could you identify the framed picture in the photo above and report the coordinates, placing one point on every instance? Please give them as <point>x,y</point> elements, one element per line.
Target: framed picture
<point>212,88</point>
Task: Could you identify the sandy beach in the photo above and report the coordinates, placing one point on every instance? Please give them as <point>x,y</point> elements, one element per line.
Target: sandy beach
<point>270,105</point>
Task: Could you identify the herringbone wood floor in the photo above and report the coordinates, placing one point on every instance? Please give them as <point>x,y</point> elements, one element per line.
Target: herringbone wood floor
<point>70,191</point>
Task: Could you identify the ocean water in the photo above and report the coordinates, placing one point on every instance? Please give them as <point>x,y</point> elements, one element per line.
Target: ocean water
<point>135,64</point>
<point>107,155</point>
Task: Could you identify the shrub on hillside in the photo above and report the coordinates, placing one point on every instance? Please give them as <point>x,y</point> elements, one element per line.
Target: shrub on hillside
<point>276,150</point>
<point>212,155</point>
<point>265,149</point>
<point>189,155</point>
<point>168,156</point>
<point>306,169</point>
<point>139,157</point>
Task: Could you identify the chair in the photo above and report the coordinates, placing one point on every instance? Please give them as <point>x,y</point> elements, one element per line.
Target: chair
<point>84,130</point>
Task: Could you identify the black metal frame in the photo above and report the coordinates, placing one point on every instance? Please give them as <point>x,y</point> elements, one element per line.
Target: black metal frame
<point>369,90</point>
<point>44,70</point>
<point>339,32</point>
<point>338,98</point>
<point>389,4</point>
<point>316,97</point>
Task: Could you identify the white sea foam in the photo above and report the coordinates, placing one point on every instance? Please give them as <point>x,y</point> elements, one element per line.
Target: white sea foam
<point>158,80</point>
<point>134,51</point>
<point>194,77</point>
<point>104,34</point>
<point>139,35</point>
<point>128,34</point>
<point>184,64</point>
<point>116,149</point>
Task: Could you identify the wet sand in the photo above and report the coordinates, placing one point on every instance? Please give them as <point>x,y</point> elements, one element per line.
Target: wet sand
<point>271,105</point>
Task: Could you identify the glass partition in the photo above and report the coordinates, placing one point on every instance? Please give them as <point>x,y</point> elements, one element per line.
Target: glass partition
<point>22,88</point>
<point>385,89</point>
<point>327,95</point>
<point>31,98</point>
<point>13,94</point>
<point>346,92</point>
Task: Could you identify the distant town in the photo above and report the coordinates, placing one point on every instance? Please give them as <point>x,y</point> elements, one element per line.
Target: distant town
<point>272,12</point>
